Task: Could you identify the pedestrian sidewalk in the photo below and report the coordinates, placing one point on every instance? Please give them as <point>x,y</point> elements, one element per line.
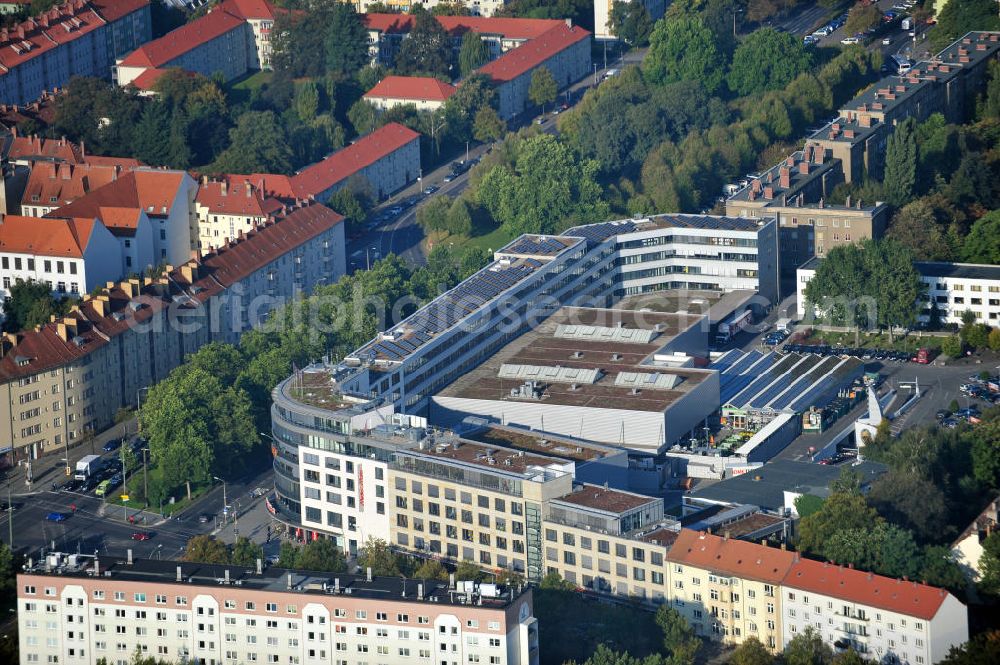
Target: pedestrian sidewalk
<point>48,468</point>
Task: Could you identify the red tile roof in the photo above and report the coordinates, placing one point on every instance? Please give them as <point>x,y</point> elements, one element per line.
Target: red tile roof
<point>34,147</point>
<point>235,197</point>
<point>423,88</point>
<point>112,10</point>
<point>729,556</point>
<point>255,9</point>
<point>533,53</point>
<point>53,184</point>
<point>908,598</point>
<point>98,320</point>
<point>122,222</point>
<point>151,190</point>
<point>367,150</point>
<point>59,25</point>
<point>160,52</point>
<point>125,163</point>
<point>45,237</point>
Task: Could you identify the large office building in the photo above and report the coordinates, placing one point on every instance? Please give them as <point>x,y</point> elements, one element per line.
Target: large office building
<point>588,265</point>
<point>75,38</point>
<point>611,376</point>
<point>69,377</point>
<point>514,501</point>
<point>952,289</point>
<point>79,609</point>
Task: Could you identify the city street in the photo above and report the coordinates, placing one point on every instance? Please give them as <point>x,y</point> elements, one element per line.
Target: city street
<point>403,236</point>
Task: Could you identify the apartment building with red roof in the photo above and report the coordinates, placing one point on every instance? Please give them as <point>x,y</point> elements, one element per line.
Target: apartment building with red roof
<point>71,255</point>
<point>423,92</point>
<point>164,198</point>
<point>233,38</point>
<point>52,185</point>
<point>478,8</point>
<point>388,159</point>
<point>132,334</point>
<point>732,589</point>
<point>76,38</point>
<point>518,48</point>
<point>880,617</point>
<point>729,589</point>
<point>227,207</point>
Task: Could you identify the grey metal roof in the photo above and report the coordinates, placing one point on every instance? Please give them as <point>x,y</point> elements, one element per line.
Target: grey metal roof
<point>765,487</point>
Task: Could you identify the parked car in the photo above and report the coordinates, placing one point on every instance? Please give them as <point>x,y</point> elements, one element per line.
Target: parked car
<point>449,177</point>
<point>850,40</point>
<point>112,445</point>
<point>886,41</point>
<point>430,190</point>
<point>205,518</point>
<point>56,517</point>
<point>103,488</point>
<point>141,535</point>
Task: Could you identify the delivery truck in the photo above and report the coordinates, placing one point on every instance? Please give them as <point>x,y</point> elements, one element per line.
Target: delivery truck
<point>87,467</point>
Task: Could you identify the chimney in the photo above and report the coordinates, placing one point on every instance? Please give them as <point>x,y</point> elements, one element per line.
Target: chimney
<point>368,573</point>
<point>420,592</point>
<point>227,576</point>
<point>784,177</point>
<point>129,559</point>
<point>451,580</point>
<point>783,546</point>
<point>847,201</point>
<point>97,567</point>
<point>289,581</point>
<point>249,189</point>
<point>260,566</point>
<point>336,585</point>
<point>224,187</point>
<point>180,576</point>
<point>83,150</point>
<point>804,167</point>
<point>769,192</point>
<point>189,271</point>
<point>101,305</point>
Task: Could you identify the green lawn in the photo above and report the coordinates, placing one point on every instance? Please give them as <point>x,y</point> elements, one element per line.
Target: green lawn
<point>487,238</point>
<point>136,500</point>
<point>239,91</point>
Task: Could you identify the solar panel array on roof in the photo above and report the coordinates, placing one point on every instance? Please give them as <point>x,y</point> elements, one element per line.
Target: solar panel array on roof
<point>605,334</point>
<point>598,233</point>
<point>798,381</point>
<point>551,374</point>
<point>448,309</point>
<point>778,368</point>
<point>848,370</point>
<point>650,381</point>
<point>534,245</point>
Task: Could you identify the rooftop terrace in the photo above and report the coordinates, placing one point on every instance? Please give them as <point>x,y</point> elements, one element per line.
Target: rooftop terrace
<point>478,454</point>
<point>601,361</point>
<point>605,499</point>
<point>271,580</point>
<point>578,451</point>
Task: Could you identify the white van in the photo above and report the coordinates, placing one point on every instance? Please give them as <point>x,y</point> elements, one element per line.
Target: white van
<point>611,72</point>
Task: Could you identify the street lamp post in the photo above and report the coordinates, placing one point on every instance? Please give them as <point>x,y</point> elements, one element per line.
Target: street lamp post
<point>10,517</point>
<point>145,477</point>
<point>225,503</point>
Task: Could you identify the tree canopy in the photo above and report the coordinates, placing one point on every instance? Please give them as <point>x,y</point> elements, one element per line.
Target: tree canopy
<point>683,49</point>
<point>982,244</point>
<point>543,89</point>
<point>473,54</point>
<point>767,60</point>
<point>630,21</point>
<point>959,17</point>
<point>427,49</point>
<point>30,304</point>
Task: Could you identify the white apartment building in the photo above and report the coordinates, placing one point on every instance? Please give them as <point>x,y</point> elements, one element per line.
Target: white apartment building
<point>72,255</point>
<point>76,610</point>
<point>167,200</point>
<point>226,210</point>
<point>952,289</point>
<point>879,617</point>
